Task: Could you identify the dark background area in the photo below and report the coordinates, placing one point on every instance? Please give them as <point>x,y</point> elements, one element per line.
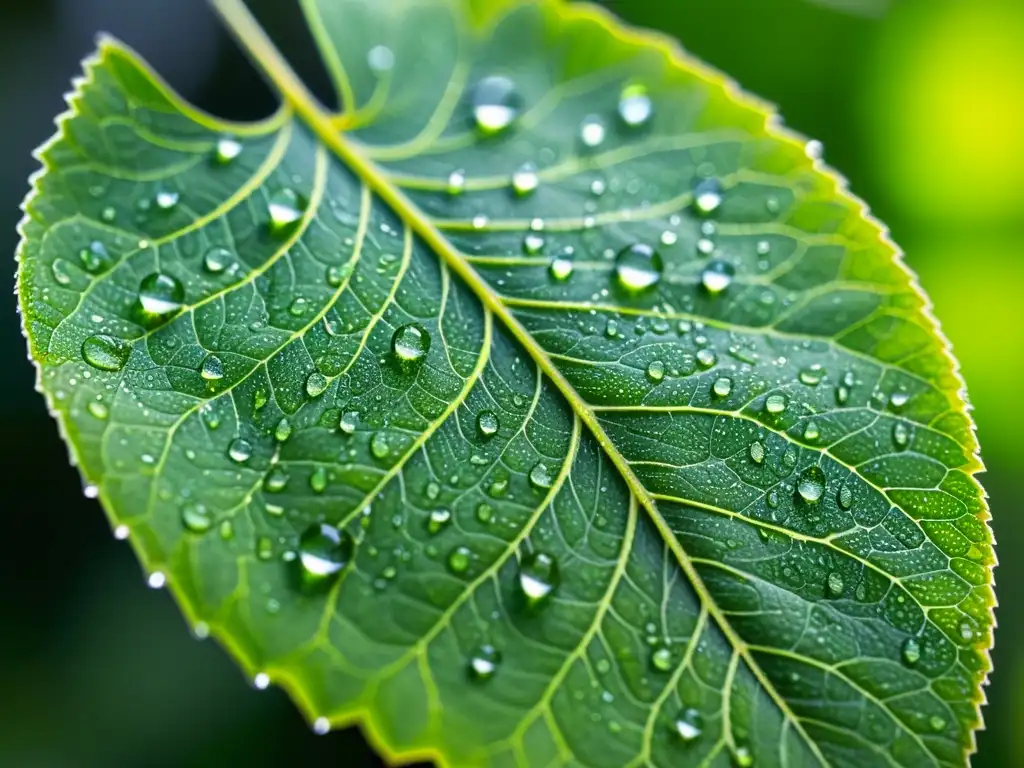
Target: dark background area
<point>921,108</point>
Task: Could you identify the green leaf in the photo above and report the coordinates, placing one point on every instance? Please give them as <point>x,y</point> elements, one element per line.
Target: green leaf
<point>552,405</point>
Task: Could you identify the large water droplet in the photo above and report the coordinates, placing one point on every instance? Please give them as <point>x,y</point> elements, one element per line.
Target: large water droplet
<point>348,422</point>
<point>812,375</point>
<point>316,384</point>
<point>380,446</point>
<point>484,662</point>
<point>240,451</point>
<point>656,370</point>
<point>717,276</point>
<point>496,104</point>
<point>689,724</point>
<point>707,196</point>
<point>105,352</point>
<point>196,518</point>
<point>811,484</point>
<point>538,577</point>
<point>324,551</point>
<point>835,583</point>
<point>410,344</point>
<point>638,267</point>
<point>212,368</point>
<point>217,259</point>
<point>487,424</point>
<point>635,107</point>
<point>283,430</point>
<point>775,404</point>
<point>160,295</point>
<point>722,386</point>
<point>285,207</point>
<point>540,476</point>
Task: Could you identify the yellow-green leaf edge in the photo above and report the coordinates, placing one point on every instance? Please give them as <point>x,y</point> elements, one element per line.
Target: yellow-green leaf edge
<point>298,101</point>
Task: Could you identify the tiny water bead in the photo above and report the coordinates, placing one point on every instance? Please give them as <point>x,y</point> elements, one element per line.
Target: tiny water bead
<point>324,551</point>
<point>775,404</point>
<point>196,518</point>
<point>456,182</point>
<point>98,410</point>
<point>743,757</point>
<point>689,724</point>
<point>410,344</point>
<point>496,104</point>
<point>533,243</point>
<point>487,424</point>
<point>811,484</point>
<point>656,370</point>
<point>459,559</point>
<point>901,435</point>
<point>160,295</point>
<point>348,422</point>
<point>717,276</point>
<point>540,476</point>
<point>635,107</point>
<point>156,580</point>
<point>438,520</point>
<point>707,196</point>
<point>638,267</point>
<point>561,268</point>
<point>911,651</point>
<point>240,451</point>
<point>166,199</point>
<point>285,207</point>
<point>662,658</point>
<point>812,375</point>
<point>217,259</point>
<point>212,368</point>
<point>484,662</point>
<point>227,149</point>
<point>525,179</point>
<point>316,384</point>
<point>106,353</point>
<point>538,577</point>
<point>811,431</point>
<point>592,131</point>
<point>722,387</point>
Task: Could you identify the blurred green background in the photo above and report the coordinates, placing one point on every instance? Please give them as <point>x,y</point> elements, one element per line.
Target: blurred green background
<point>921,107</point>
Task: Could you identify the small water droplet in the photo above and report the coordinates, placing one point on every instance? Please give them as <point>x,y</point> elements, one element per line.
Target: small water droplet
<point>95,259</point>
<point>689,724</point>
<point>757,452</point>
<point>321,726</point>
<point>438,520</point>
<point>743,757</point>
<point>898,400</point>
<point>380,59</point>
<point>217,259</point>
<point>487,424</point>
<point>540,476</point>
<point>380,447</point>
<point>410,344</point>
<point>324,551</point>
<point>276,480</point>
<point>811,431</point>
<point>285,207</point>
<point>496,104</point>
<point>349,421</point>
<point>98,410</point>
<point>261,681</point>
<point>166,199</point>
<point>156,580</point>
<point>775,404</point>
<point>811,484</point>
<point>240,451</point>
<point>717,276</point>
<point>106,353</point>
<point>196,518</point>
<point>812,375</point>
<point>227,150</point>
<point>525,179</point>
<point>662,658</point>
<point>108,214</point>
<point>635,107</point>
<point>911,651</point>
<point>937,723</point>
<point>707,196</point>
<point>722,386</point>
<point>656,370</point>
<point>459,559</point>
<point>638,267</point>
<point>706,357</point>
<point>835,583</point>
<point>318,479</point>
<point>901,435</point>
<point>316,384</point>
<point>560,268</point>
<point>845,497</point>
<point>592,131</point>
<point>283,430</point>
<point>456,182</point>
<point>484,662</point>
<point>160,295</point>
<point>538,577</point>
<point>212,368</point>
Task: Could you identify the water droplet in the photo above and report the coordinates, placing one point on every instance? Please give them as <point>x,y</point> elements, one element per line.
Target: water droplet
<point>156,580</point>
<point>379,445</point>
<point>324,551</point>
<point>98,410</point>
<point>410,344</point>
<point>160,295</point>
<point>166,199</point>
<point>439,518</point>
<point>775,404</point>
<point>108,214</point>
<point>456,182</point>
<point>105,352</point>
<point>898,400</point>
<point>638,267</point>
<point>261,681</point>
<point>59,268</point>
<point>662,658</point>
<point>496,104</point>
<point>196,518</point>
<point>349,421</point>
<point>318,479</point>
<point>227,150</point>
<point>937,723</point>
<point>706,357</point>
<point>217,259</point>
<point>811,431</point>
<point>283,430</point>
<point>533,243</point>
<point>812,375</point>
<point>459,559</point>
<point>911,651</point>
<point>757,452</point>
<point>689,724</point>
<point>707,196</point>
<point>321,726</point>
<point>717,276</point>
<point>484,662</point>
<point>561,268</point>
<point>316,384</point>
<point>835,583</point>
<point>285,207</point>
<point>212,368</point>
<point>656,370</point>
<point>592,131</point>
<point>240,451</point>
<point>845,497</point>
<point>525,179</point>
<point>722,387</point>
<point>540,476</point>
<point>298,306</point>
<point>743,757</point>
<point>380,58</point>
<point>487,424</point>
<point>95,259</point>
<point>538,577</point>
<point>276,480</point>
<point>811,484</point>
<point>635,107</point>
<point>901,435</point>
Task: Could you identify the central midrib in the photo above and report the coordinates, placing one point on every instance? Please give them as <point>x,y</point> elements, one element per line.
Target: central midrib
<point>256,42</point>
